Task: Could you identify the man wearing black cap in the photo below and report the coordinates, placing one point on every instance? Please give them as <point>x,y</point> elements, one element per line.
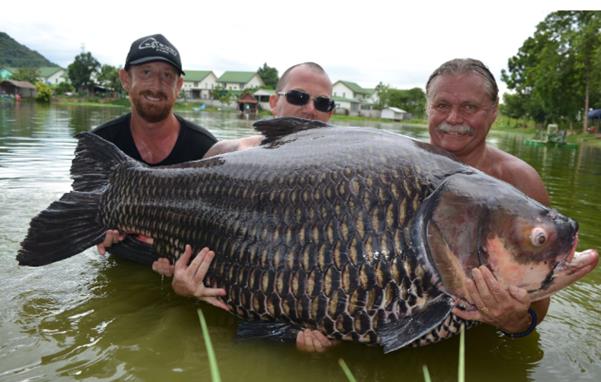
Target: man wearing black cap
<point>151,132</point>
<point>149,114</point>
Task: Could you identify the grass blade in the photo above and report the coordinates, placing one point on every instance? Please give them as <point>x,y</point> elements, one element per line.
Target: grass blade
<point>215,377</point>
<point>349,375</point>
<point>426,374</point>
<point>461,368</point>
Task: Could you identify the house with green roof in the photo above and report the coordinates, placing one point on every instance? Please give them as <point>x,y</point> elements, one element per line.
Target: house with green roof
<point>5,73</point>
<point>231,80</point>
<point>346,106</point>
<point>52,75</point>
<point>351,98</point>
<point>198,84</point>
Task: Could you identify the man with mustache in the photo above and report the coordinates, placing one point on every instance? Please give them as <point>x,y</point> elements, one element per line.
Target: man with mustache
<point>462,104</point>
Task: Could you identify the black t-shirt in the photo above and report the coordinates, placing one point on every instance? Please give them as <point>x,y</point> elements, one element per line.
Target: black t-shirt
<point>192,142</point>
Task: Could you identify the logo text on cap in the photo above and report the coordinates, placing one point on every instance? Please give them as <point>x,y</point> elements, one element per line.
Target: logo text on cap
<point>152,43</point>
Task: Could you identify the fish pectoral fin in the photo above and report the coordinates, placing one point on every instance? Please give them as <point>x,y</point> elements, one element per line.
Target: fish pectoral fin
<point>397,334</point>
<point>270,330</point>
<point>134,250</point>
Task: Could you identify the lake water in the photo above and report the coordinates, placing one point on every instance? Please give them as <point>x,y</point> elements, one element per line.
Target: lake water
<point>93,317</point>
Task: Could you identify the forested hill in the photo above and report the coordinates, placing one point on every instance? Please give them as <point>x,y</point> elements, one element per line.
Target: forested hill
<point>15,55</point>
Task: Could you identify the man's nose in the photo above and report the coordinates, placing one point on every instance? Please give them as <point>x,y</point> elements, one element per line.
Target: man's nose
<point>309,106</point>
<point>455,117</point>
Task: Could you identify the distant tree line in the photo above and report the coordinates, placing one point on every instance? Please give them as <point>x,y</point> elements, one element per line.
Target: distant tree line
<point>556,76</point>
<point>85,76</point>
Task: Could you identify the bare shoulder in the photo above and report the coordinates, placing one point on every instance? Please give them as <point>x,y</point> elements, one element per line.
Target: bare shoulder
<point>519,174</point>
<point>230,145</point>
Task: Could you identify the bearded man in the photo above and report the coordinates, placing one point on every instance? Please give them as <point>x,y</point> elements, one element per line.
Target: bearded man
<point>151,132</point>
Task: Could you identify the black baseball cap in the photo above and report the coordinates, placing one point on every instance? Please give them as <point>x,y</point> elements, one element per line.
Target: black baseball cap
<point>153,48</point>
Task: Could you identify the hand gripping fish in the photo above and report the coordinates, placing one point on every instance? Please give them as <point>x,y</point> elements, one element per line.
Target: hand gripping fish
<point>363,234</point>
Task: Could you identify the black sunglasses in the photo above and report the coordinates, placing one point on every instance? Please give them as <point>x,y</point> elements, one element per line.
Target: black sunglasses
<point>300,98</point>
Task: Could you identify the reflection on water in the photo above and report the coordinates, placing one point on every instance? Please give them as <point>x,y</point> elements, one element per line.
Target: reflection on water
<point>95,317</point>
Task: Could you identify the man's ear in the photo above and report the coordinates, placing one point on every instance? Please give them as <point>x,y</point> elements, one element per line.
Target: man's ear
<point>125,79</point>
<point>273,101</point>
<point>495,112</point>
<point>180,84</point>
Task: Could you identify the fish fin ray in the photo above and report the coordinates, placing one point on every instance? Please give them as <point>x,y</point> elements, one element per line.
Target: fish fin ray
<point>134,250</point>
<point>275,128</point>
<point>399,333</point>
<point>67,227</point>
<point>94,161</point>
<point>271,330</point>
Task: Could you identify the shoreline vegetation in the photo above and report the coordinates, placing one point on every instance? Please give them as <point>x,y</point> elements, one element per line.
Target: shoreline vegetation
<point>503,124</point>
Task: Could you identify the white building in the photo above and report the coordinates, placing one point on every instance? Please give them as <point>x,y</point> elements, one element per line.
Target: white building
<point>353,99</point>
<point>240,80</point>
<point>394,113</point>
<point>52,75</point>
<point>199,83</point>
<point>262,96</point>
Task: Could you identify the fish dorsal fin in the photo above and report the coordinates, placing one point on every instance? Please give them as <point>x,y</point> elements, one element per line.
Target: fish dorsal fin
<point>275,128</point>
<point>399,333</point>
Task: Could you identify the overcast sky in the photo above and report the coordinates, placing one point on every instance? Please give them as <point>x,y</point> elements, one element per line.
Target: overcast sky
<point>394,42</point>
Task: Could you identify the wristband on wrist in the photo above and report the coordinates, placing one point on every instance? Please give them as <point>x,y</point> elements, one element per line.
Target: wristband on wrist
<point>531,327</point>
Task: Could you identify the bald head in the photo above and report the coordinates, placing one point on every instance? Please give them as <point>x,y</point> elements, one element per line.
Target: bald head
<point>312,66</point>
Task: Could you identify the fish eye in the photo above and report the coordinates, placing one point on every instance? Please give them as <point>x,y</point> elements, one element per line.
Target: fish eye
<point>538,237</point>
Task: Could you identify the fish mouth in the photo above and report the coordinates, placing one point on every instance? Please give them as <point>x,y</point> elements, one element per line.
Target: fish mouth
<point>569,270</point>
<point>559,267</point>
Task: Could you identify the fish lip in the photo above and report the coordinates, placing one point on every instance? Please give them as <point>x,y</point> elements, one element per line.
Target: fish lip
<point>568,259</point>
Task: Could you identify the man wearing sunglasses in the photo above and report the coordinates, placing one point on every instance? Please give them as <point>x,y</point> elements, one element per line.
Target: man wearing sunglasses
<point>462,102</point>
<point>303,91</point>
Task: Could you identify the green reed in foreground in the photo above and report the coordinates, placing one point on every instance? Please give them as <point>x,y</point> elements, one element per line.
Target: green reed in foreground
<point>426,374</point>
<point>349,375</point>
<point>461,366</point>
<point>215,377</point>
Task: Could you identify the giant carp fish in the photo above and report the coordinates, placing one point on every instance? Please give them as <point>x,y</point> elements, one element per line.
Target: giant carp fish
<point>363,234</point>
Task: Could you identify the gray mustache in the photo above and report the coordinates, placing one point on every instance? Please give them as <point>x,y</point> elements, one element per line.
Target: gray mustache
<point>462,129</point>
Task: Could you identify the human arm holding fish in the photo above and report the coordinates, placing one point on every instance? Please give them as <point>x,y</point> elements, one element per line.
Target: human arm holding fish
<point>230,145</point>
<point>188,277</point>
<point>112,236</point>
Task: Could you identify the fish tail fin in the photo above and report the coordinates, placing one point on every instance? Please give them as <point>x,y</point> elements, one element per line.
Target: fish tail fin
<point>67,227</point>
<point>95,159</point>
<point>72,224</point>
